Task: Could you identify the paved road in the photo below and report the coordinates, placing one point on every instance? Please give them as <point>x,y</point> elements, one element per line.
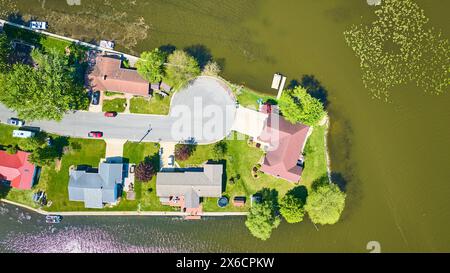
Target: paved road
<point>204,111</point>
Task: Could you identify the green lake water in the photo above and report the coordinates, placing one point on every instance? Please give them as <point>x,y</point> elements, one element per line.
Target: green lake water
<point>394,157</point>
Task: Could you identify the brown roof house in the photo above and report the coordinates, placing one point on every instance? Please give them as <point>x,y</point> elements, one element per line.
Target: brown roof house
<point>108,75</point>
<point>284,143</point>
<point>185,188</point>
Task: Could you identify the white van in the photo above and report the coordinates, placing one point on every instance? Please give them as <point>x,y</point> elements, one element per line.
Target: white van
<point>23,134</point>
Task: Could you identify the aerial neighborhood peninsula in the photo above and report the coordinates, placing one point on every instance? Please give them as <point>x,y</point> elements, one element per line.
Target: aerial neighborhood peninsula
<point>88,130</point>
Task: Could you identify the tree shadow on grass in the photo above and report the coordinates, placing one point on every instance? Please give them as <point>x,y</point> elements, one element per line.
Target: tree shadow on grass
<point>300,192</point>
<point>270,196</point>
<point>153,160</point>
<point>59,143</point>
<point>323,180</point>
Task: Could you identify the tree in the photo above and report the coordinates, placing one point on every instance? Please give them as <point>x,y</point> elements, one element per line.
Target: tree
<point>181,68</point>
<point>32,143</point>
<point>298,106</point>
<point>212,69</point>
<point>5,51</point>
<point>151,65</point>
<point>144,171</point>
<point>325,204</point>
<point>262,217</point>
<point>219,150</point>
<point>291,207</point>
<point>46,92</point>
<point>184,151</point>
<point>43,156</point>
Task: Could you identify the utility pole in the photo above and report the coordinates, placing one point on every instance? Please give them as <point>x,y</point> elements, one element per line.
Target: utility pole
<point>146,134</point>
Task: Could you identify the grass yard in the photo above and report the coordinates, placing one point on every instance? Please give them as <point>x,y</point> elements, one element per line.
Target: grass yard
<point>55,183</point>
<point>156,105</point>
<point>146,199</point>
<point>36,39</point>
<point>315,159</point>
<point>6,137</point>
<point>249,98</point>
<point>137,152</point>
<point>115,105</point>
<point>239,160</point>
<point>112,93</point>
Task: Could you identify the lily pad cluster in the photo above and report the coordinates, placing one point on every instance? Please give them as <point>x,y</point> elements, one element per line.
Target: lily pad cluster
<point>398,48</point>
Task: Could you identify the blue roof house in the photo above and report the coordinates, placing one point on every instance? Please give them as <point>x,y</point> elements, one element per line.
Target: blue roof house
<point>96,188</point>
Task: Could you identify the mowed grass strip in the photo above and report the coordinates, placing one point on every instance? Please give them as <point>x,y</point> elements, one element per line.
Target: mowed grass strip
<point>155,106</point>
<point>114,105</point>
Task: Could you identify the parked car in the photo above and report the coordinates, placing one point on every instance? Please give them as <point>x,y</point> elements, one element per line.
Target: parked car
<point>110,114</point>
<point>15,121</point>
<point>23,134</point>
<point>132,167</point>
<point>38,25</point>
<point>89,94</point>
<point>95,134</point>
<point>96,98</point>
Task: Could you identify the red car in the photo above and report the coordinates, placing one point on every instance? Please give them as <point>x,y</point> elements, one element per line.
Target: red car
<point>95,134</point>
<point>110,114</point>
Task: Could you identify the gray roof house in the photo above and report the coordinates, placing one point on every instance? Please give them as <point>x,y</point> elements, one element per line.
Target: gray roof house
<point>192,184</point>
<point>96,188</point>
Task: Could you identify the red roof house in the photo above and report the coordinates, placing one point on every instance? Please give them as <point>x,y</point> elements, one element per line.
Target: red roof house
<point>285,147</point>
<point>17,169</point>
<point>108,75</point>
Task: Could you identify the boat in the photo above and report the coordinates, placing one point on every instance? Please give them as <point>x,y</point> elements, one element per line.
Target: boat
<point>107,44</point>
<point>53,219</point>
<point>38,25</point>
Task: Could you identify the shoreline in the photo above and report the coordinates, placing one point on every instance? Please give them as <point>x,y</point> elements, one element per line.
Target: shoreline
<point>121,213</point>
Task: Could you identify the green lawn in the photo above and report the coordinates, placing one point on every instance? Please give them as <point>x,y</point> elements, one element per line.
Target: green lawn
<point>36,39</point>
<point>156,105</point>
<point>137,152</point>
<point>112,93</point>
<point>239,160</point>
<point>55,183</point>
<point>315,159</point>
<point>6,137</point>
<point>146,198</point>
<point>114,105</point>
<point>249,98</point>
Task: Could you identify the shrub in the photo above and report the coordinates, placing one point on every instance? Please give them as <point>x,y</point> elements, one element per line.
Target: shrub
<point>12,149</point>
<point>298,106</point>
<point>212,69</point>
<point>144,171</point>
<point>184,151</point>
